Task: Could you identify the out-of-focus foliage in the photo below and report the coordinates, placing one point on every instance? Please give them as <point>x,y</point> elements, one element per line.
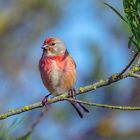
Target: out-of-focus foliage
<point>21,23</point>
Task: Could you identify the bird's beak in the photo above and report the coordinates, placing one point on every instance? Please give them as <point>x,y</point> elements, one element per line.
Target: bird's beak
<point>44,47</point>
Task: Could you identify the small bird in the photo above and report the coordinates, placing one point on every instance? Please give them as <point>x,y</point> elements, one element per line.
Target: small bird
<point>58,71</point>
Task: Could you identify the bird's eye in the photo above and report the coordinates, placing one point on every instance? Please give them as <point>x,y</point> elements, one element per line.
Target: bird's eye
<point>53,44</point>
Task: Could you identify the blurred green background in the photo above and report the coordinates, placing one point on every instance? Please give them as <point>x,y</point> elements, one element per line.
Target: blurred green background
<point>96,38</point>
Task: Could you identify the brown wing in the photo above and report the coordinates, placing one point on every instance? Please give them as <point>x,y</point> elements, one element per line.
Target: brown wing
<point>69,74</point>
<point>72,60</point>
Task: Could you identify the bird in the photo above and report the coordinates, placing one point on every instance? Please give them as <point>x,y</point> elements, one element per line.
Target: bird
<point>58,71</point>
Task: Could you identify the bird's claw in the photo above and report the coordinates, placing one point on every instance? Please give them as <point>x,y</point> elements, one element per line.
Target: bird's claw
<point>45,100</point>
<point>71,92</point>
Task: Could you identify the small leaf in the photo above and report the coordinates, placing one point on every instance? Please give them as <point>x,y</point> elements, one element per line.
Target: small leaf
<point>130,41</point>
<point>135,43</point>
<point>116,12</point>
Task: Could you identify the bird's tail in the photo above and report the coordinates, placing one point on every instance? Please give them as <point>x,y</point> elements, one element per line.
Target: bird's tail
<point>77,108</point>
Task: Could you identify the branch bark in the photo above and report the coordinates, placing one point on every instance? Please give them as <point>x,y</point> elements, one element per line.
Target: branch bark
<point>101,83</point>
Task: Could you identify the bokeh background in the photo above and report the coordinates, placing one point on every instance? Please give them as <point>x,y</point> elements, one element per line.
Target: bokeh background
<point>96,38</point>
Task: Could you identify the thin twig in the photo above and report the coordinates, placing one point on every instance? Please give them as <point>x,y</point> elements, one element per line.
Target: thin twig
<point>104,105</point>
<point>135,75</point>
<point>130,63</point>
<point>114,78</point>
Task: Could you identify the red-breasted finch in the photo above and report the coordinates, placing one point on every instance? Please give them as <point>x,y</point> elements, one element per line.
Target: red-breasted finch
<point>58,69</point>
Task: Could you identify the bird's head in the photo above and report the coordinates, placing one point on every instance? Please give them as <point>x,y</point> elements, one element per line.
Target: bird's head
<point>53,47</point>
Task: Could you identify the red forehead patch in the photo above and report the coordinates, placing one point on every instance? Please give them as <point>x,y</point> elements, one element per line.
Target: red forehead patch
<point>48,40</point>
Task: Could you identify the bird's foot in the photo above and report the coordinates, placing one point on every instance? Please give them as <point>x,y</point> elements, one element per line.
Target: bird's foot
<point>45,100</point>
<point>71,92</point>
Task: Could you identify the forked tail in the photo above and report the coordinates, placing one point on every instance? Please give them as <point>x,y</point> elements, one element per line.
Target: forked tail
<point>76,107</point>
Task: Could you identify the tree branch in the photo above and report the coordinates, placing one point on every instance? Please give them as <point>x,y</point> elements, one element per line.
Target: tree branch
<point>35,123</point>
<point>135,75</point>
<point>130,63</point>
<point>114,78</point>
<point>105,105</point>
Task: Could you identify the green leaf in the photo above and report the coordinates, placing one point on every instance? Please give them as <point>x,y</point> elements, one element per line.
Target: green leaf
<point>130,41</point>
<point>132,14</point>
<point>116,12</point>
